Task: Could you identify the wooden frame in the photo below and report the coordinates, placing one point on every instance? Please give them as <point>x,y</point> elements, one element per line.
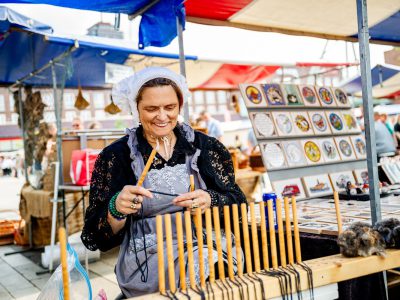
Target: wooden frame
<point>317,185</point>
<point>284,123</point>
<point>263,124</point>
<point>253,95</point>
<point>359,146</point>
<point>325,96</point>
<point>273,155</point>
<point>294,153</point>
<point>320,122</point>
<point>302,123</point>
<point>340,97</point>
<point>273,94</point>
<point>292,95</point>
<point>340,179</point>
<point>309,95</point>
<point>335,121</point>
<point>345,148</point>
<point>286,188</point>
<point>312,151</point>
<point>329,149</point>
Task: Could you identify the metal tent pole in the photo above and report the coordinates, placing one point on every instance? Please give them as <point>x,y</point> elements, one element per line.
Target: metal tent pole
<point>373,179</point>
<point>21,117</point>
<point>182,65</point>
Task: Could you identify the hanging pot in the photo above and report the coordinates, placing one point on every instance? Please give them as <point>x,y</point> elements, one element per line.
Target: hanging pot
<point>81,103</point>
<point>112,108</point>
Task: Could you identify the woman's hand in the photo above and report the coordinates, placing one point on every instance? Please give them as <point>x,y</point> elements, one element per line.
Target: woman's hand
<point>195,199</point>
<point>129,200</point>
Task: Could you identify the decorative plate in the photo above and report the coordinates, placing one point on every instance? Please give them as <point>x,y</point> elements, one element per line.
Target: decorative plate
<point>273,94</point>
<point>359,146</point>
<point>294,153</point>
<point>341,97</point>
<point>292,95</point>
<point>283,123</point>
<point>329,149</point>
<point>312,151</point>
<point>273,155</point>
<point>345,148</point>
<point>302,123</point>
<point>326,96</point>
<point>309,95</point>
<point>319,122</point>
<point>264,124</point>
<point>253,94</point>
<point>336,121</point>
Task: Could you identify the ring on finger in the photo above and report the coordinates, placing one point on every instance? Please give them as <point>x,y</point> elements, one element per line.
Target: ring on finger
<point>194,204</point>
<point>133,206</point>
<point>135,200</point>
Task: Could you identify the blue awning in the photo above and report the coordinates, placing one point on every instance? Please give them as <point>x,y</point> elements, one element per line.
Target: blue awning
<point>385,82</point>
<point>24,51</point>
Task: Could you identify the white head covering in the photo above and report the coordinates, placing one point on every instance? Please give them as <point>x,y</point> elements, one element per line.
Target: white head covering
<point>126,90</point>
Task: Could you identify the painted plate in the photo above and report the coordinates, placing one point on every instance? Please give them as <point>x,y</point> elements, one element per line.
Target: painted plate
<point>329,149</point>
<point>302,123</point>
<point>341,97</point>
<point>274,156</point>
<point>253,94</point>
<point>312,151</point>
<point>325,95</point>
<point>345,148</point>
<point>359,146</point>
<point>336,121</point>
<point>319,122</point>
<point>309,95</point>
<point>273,94</point>
<point>264,124</point>
<point>283,123</point>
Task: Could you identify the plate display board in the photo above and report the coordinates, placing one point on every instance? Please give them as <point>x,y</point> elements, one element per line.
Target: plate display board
<point>307,134</point>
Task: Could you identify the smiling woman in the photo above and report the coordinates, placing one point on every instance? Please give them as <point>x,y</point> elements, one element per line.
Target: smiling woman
<point>123,213</point>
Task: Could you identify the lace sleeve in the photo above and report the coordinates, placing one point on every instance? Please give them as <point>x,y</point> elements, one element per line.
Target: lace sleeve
<point>219,175</point>
<point>105,182</point>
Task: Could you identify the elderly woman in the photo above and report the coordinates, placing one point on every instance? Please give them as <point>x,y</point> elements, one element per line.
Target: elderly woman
<point>121,213</point>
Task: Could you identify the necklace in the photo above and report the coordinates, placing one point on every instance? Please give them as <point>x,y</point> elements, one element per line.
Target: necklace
<point>168,142</point>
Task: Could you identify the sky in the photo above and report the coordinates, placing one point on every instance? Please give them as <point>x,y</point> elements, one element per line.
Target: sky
<point>212,42</point>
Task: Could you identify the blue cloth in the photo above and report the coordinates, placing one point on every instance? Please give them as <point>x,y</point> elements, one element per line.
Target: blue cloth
<point>383,139</point>
<point>214,128</point>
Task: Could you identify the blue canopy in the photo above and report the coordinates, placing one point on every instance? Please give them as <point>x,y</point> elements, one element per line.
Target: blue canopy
<point>158,24</point>
<point>24,51</point>
<point>385,82</point>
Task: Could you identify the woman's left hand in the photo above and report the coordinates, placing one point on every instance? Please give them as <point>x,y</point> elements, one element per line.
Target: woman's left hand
<point>193,200</point>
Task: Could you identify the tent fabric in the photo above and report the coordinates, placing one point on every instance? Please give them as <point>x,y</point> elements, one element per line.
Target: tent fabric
<point>385,82</point>
<point>319,18</point>
<point>9,17</point>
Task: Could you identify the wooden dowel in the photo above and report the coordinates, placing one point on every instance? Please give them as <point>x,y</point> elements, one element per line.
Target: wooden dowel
<point>297,247</point>
<point>199,233</point>
<point>338,215</point>
<point>217,228</point>
<point>236,230</point>
<point>192,183</point>
<point>64,264</point>
<point>272,239</point>
<point>211,276</point>
<point>281,235</point>
<point>246,239</point>
<point>147,167</point>
<point>160,255</point>
<point>170,253</point>
<point>189,242</point>
<point>181,251</point>
<point>227,219</point>
<point>254,237</point>
<point>264,242</point>
<point>288,224</point>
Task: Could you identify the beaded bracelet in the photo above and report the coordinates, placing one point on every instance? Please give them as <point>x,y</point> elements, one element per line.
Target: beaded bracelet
<point>113,210</point>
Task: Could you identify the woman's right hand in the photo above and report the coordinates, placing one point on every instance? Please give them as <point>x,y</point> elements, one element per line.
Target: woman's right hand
<point>129,200</point>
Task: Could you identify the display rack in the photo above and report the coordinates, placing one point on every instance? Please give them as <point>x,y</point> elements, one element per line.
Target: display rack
<point>266,129</point>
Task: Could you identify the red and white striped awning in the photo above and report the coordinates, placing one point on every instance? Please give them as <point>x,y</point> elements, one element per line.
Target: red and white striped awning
<point>319,18</point>
<point>208,74</point>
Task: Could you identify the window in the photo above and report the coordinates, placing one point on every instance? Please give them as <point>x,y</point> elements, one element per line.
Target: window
<point>198,97</point>
<point>222,97</point>
<point>2,103</point>
<point>99,114</point>
<point>47,99</point>
<point>69,115</point>
<point>98,100</point>
<point>14,118</point>
<point>210,97</point>
<point>69,100</point>
<point>49,116</point>
<point>2,119</point>
<point>212,109</point>
<point>85,115</point>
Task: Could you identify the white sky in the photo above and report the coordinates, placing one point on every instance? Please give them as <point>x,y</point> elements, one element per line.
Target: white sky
<point>209,41</point>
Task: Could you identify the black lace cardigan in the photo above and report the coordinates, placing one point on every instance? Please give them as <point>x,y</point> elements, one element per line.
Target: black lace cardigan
<point>113,171</point>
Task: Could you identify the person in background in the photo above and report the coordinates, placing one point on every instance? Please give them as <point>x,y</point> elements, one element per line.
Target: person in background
<point>214,128</point>
<point>77,124</point>
<point>384,118</point>
<point>385,145</point>
<point>251,141</point>
<point>95,125</point>
<point>397,130</point>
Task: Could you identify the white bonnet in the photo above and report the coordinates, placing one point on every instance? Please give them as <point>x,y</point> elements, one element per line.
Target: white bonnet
<point>126,90</point>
